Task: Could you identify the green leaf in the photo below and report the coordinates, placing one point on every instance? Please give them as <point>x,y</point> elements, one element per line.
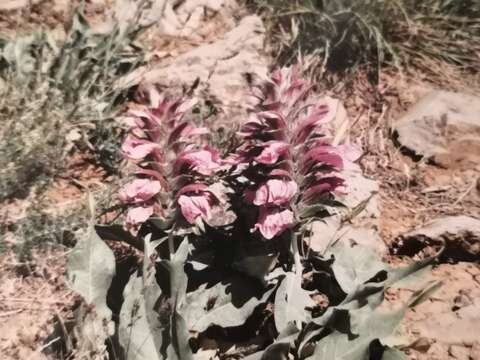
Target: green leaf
<point>404,276</point>
<point>291,303</point>
<point>354,264</point>
<point>280,348</point>
<point>367,326</point>
<point>179,348</point>
<point>138,337</point>
<point>256,266</point>
<point>160,223</point>
<point>228,303</point>
<point>140,331</point>
<point>90,269</point>
<point>118,233</point>
<point>422,295</point>
<point>178,278</point>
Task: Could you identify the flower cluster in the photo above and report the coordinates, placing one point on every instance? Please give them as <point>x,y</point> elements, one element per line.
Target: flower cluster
<point>173,165</point>
<point>287,153</point>
<point>287,159</point>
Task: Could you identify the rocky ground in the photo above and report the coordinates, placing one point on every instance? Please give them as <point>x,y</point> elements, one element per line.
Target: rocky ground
<point>417,188</point>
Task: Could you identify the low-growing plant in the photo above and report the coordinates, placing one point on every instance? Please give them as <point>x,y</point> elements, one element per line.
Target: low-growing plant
<point>222,239</point>
<point>56,95</point>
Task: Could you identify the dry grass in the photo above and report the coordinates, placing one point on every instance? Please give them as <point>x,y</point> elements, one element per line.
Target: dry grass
<point>34,302</point>
<point>60,97</point>
<point>337,35</point>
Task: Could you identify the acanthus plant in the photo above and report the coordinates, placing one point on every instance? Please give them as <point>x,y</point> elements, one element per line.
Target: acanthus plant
<point>285,172</point>
<point>287,155</point>
<point>175,168</point>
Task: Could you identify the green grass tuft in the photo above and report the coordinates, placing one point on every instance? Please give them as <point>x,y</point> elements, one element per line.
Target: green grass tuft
<point>343,33</point>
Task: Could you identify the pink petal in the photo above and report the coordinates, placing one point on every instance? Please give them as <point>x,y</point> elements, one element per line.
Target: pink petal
<point>194,206</point>
<point>322,155</point>
<point>192,188</point>
<point>281,173</point>
<point>275,192</point>
<point>137,149</point>
<point>315,117</point>
<point>204,161</point>
<point>153,95</point>
<point>185,105</point>
<point>137,216</point>
<point>150,124</point>
<point>273,222</point>
<point>140,190</point>
<point>274,120</point>
<point>272,151</point>
<point>153,173</point>
<point>184,131</point>
<point>324,185</point>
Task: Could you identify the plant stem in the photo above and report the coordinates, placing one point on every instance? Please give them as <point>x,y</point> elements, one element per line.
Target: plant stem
<point>171,244</point>
<point>296,257</point>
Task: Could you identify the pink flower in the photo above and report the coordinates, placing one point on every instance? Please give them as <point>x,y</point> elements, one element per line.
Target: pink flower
<point>148,123</point>
<point>137,149</point>
<point>310,122</point>
<point>203,161</point>
<point>272,151</point>
<point>285,90</point>
<point>273,222</point>
<point>193,206</point>
<point>323,184</point>
<point>275,192</point>
<point>267,124</point>
<point>139,190</point>
<point>137,216</point>
<point>323,155</point>
<point>184,131</point>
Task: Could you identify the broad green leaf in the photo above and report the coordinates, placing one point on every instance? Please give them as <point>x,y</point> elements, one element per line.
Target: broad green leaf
<point>140,331</point>
<point>175,268</point>
<point>280,348</point>
<point>138,337</point>
<point>227,304</point>
<point>404,276</point>
<point>291,303</point>
<point>179,348</point>
<point>367,326</point>
<point>118,233</point>
<point>256,266</point>
<point>90,269</point>
<point>354,265</point>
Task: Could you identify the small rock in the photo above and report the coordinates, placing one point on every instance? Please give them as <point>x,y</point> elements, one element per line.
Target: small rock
<point>220,67</point>
<point>475,351</point>
<point>459,352</point>
<point>460,235</point>
<point>443,126</point>
<point>13,4</point>
<point>421,345</point>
